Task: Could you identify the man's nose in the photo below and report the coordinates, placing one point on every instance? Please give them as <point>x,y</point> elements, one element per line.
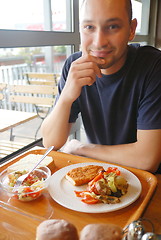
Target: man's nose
<point>100,39</point>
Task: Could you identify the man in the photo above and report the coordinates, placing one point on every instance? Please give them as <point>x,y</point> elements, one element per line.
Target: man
<point>115,86</point>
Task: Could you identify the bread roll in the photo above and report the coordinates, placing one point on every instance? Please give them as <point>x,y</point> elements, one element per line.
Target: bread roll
<point>56,229</point>
<point>101,232</point>
<point>27,163</point>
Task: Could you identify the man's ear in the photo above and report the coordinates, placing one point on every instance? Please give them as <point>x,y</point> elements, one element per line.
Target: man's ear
<point>133,26</point>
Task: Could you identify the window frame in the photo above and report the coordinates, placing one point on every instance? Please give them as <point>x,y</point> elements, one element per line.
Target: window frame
<point>150,37</point>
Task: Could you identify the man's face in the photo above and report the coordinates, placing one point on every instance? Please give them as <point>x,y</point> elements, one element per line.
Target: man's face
<point>105,31</point>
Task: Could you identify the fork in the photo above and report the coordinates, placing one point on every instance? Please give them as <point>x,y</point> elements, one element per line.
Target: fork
<point>21,179</point>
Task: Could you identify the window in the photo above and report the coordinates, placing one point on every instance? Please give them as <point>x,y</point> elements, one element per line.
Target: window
<point>21,15</point>
<point>141,11</point>
<point>137,10</point>
<point>34,15</point>
<point>61,15</point>
<point>27,26</point>
<point>35,36</point>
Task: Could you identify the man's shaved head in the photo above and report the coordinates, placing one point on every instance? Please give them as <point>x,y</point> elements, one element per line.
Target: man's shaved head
<point>128,7</point>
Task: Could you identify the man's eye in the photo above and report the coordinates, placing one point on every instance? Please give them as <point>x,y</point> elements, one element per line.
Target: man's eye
<point>88,27</point>
<point>113,27</point>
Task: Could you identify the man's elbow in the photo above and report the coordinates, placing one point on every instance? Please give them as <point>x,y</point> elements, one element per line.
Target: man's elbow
<point>151,164</point>
<point>46,143</point>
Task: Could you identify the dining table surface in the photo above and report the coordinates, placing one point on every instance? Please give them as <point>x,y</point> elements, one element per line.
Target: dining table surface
<point>12,118</point>
<point>19,220</point>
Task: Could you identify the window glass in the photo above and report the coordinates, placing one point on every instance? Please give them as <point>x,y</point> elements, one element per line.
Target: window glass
<point>35,15</point>
<point>45,51</point>
<point>141,11</point>
<point>61,15</point>
<point>13,64</point>
<point>21,15</point>
<point>17,61</point>
<point>34,59</point>
<point>137,11</point>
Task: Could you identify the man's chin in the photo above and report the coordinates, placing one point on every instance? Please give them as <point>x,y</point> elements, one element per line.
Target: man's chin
<point>102,66</point>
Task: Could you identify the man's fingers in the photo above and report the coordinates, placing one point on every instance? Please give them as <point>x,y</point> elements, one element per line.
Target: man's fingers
<point>87,81</point>
<point>90,58</point>
<point>90,62</point>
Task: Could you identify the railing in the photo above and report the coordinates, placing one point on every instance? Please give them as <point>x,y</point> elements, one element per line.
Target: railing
<point>14,73</point>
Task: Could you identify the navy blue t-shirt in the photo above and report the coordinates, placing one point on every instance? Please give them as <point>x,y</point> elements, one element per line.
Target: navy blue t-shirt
<point>116,105</point>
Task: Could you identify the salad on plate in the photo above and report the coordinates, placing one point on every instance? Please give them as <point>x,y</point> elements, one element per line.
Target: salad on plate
<point>107,187</point>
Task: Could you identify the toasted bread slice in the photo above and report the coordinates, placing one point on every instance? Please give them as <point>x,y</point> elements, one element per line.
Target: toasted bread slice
<point>27,163</point>
<point>81,175</point>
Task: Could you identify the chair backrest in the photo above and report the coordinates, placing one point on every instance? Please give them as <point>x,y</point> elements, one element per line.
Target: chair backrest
<point>34,94</point>
<point>42,78</point>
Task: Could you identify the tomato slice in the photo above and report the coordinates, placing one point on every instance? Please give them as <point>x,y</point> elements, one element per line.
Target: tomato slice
<point>80,193</point>
<point>86,198</point>
<point>29,193</point>
<point>90,201</point>
<point>98,177</point>
<point>112,169</point>
<point>35,194</point>
<point>27,190</point>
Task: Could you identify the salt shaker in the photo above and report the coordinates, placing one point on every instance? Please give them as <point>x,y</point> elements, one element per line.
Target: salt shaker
<point>135,231</point>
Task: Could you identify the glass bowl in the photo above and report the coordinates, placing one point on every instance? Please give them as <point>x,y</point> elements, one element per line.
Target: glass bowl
<point>32,187</point>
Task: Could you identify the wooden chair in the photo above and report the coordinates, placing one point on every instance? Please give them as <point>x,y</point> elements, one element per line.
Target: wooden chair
<point>41,96</point>
<point>52,79</point>
<point>42,78</point>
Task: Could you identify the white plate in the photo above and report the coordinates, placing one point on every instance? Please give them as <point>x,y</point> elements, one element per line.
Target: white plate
<point>62,191</point>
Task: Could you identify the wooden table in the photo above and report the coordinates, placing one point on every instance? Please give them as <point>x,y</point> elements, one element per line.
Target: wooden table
<point>11,118</point>
<point>20,220</point>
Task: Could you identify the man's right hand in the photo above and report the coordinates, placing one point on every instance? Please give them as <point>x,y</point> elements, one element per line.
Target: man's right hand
<point>82,72</point>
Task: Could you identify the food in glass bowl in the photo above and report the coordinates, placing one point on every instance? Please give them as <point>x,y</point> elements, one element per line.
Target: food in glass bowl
<point>31,188</point>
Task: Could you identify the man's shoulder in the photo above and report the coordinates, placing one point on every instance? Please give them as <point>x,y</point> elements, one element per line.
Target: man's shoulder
<point>150,50</point>
<point>143,56</point>
<point>145,50</point>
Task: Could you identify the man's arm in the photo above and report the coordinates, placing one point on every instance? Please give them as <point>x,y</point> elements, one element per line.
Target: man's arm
<point>56,127</point>
<point>144,154</point>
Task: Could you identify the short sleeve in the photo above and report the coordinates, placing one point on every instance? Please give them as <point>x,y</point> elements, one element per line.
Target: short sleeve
<point>149,113</point>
